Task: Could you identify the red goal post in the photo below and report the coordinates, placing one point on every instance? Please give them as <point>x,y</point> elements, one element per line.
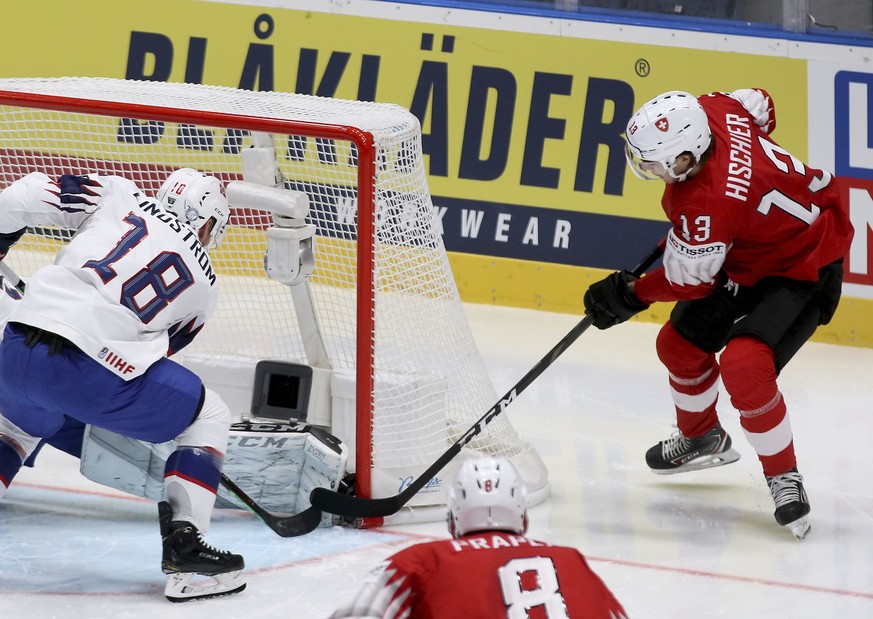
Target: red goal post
<point>378,323</point>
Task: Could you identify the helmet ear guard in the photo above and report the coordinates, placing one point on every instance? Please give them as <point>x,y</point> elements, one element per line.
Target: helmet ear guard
<point>664,128</point>
<point>487,494</point>
<point>194,198</point>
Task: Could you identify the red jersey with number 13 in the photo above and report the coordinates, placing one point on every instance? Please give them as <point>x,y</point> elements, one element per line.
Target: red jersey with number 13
<point>777,216</point>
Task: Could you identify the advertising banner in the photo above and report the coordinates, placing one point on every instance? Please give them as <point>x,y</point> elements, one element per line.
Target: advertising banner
<point>522,130</point>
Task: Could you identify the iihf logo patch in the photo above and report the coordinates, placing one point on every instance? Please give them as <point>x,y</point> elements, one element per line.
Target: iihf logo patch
<point>662,124</point>
<point>115,362</point>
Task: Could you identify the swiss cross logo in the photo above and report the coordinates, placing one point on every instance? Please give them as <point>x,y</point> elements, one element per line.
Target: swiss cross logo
<point>662,125</point>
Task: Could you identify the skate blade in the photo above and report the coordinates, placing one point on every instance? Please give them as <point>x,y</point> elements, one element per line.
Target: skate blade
<point>799,528</point>
<point>705,462</point>
<point>179,587</point>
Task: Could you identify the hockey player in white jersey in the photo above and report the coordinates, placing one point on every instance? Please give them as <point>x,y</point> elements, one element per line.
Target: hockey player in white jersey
<point>90,343</point>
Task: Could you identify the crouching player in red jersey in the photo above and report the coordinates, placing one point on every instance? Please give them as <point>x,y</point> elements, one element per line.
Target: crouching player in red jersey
<point>488,569</point>
<point>754,260</point>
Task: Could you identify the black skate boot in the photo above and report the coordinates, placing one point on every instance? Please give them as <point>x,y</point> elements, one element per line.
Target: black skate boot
<point>792,506</point>
<point>186,554</point>
<point>679,454</point>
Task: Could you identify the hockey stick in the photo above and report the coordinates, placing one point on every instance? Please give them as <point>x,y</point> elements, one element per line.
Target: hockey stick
<point>359,507</point>
<point>7,272</point>
<point>286,525</point>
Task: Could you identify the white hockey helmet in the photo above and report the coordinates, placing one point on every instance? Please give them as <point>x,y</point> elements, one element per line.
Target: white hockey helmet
<point>194,198</point>
<point>487,494</point>
<point>665,127</point>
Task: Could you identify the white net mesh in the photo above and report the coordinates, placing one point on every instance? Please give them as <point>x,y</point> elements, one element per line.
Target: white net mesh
<point>429,383</point>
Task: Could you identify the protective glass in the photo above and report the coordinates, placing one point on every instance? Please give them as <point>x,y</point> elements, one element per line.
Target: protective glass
<point>217,234</point>
<point>646,170</point>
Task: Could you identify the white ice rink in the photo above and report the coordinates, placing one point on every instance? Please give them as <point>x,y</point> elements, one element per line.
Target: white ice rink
<point>700,545</point>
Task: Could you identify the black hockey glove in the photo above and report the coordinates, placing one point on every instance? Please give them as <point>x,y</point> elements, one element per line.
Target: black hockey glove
<point>8,239</point>
<point>610,301</point>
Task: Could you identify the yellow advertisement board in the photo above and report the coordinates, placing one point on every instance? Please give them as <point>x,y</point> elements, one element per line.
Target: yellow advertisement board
<point>522,132</point>
<point>508,117</point>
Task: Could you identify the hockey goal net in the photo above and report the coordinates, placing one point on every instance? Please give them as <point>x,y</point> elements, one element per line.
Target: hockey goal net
<point>395,371</point>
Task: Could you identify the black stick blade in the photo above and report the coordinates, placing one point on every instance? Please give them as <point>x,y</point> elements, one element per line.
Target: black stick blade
<point>353,506</point>
<point>285,525</point>
<point>297,524</point>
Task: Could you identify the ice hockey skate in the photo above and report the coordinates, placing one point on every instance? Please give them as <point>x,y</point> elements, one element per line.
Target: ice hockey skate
<point>792,506</point>
<point>186,555</point>
<point>679,454</point>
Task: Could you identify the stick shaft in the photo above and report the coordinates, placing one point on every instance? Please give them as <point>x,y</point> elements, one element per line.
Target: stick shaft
<point>360,507</point>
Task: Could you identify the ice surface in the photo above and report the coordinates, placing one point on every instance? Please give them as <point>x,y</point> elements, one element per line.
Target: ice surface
<point>703,544</point>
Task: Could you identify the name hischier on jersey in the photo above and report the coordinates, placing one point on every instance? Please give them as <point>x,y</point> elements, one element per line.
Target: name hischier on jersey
<point>740,166</point>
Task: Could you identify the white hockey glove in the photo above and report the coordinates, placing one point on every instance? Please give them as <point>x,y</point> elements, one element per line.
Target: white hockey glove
<point>759,105</point>
<point>692,265</point>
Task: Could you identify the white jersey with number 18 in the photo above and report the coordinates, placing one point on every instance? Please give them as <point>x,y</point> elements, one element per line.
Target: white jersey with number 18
<point>133,285</point>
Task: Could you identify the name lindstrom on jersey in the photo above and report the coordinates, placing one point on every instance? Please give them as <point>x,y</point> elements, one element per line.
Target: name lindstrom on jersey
<point>188,235</point>
<point>112,359</point>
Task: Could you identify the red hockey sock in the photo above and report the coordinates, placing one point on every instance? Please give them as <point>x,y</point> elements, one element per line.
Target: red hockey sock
<point>749,375</point>
<point>694,382</point>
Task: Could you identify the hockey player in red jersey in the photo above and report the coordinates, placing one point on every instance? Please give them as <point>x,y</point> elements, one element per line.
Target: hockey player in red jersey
<point>89,344</point>
<point>488,569</point>
<point>754,259</point>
